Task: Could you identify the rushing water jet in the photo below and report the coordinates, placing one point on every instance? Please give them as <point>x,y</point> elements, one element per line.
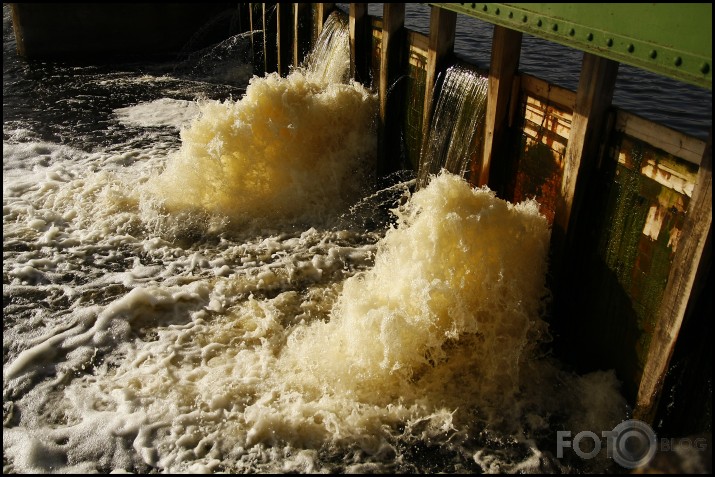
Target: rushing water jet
<point>455,134</point>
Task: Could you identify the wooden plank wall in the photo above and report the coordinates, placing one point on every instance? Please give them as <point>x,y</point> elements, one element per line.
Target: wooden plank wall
<point>543,114</point>
<point>623,257</point>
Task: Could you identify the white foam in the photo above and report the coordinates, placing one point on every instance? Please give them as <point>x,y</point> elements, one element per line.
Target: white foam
<point>169,112</point>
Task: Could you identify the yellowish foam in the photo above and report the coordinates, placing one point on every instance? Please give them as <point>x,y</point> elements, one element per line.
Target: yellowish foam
<point>447,313</point>
<point>292,149</point>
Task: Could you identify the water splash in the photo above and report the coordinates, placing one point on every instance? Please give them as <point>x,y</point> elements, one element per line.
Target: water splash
<point>456,132</point>
<point>329,61</point>
<point>227,62</point>
<point>297,149</point>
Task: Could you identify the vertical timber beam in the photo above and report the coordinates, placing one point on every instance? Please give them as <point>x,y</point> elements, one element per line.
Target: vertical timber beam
<point>256,25</point>
<point>593,100</point>
<point>17,27</point>
<point>692,255</point>
<point>443,25</point>
<point>301,32</point>
<point>270,37</point>
<point>506,48</point>
<point>284,38</point>
<point>324,9</point>
<point>388,135</point>
<point>244,17</point>
<point>360,41</point>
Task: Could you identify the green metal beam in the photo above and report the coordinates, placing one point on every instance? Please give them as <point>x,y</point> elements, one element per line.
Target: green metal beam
<point>670,39</point>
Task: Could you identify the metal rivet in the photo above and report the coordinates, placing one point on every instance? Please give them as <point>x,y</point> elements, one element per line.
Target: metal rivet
<point>609,42</point>
<point>589,37</point>
<point>653,54</point>
<point>572,32</point>
<point>555,27</point>
<point>678,61</point>
<point>704,68</point>
<point>631,48</point>
<point>539,23</point>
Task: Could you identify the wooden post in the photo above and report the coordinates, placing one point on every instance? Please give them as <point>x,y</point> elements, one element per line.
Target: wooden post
<point>388,136</point>
<point>360,42</point>
<point>270,37</point>
<point>593,99</point>
<point>284,38</point>
<point>443,24</point>
<point>17,27</point>
<point>324,9</point>
<point>244,17</point>
<point>256,20</point>
<point>506,48</point>
<point>691,256</point>
<point>301,32</point>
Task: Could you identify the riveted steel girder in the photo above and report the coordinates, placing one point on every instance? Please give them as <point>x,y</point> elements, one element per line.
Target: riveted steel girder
<point>670,39</point>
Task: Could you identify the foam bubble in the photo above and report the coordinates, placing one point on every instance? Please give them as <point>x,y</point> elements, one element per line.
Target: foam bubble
<point>161,112</point>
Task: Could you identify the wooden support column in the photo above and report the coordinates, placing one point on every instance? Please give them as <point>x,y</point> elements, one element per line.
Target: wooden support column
<point>256,25</point>
<point>506,48</point>
<point>17,26</point>
<point>693,257</point>
<point>284,41</point>
<point>388,135</point>
<point>244,17</point>
<point>323,10</point>
<point>270,38</point>
<point>360,43</point>
<point>443,25</point>
<point>301,32</point>
<point>593,100</point>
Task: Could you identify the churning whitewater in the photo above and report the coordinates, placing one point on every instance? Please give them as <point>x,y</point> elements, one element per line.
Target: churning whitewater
<point>215,304</point>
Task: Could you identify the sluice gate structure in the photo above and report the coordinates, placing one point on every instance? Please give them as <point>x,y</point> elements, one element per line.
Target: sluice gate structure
<point>629,199</point>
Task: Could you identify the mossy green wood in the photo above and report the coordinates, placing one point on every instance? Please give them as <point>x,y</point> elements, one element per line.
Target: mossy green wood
<point>629,256</point>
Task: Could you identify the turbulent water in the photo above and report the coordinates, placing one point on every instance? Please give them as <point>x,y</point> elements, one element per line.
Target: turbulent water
<point>200,284</point>
<point>455,136</point>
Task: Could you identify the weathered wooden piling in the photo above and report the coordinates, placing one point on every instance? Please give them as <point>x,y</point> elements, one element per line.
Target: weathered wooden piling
<point>270,38</point>
<point>506,48</point>
<point>391,66</point>
<point>691,263</point>
<point>322,12</point>
<point>302,31</point>
<point>256,20</point>
<point>443,24</point>
<point>360,44</point>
